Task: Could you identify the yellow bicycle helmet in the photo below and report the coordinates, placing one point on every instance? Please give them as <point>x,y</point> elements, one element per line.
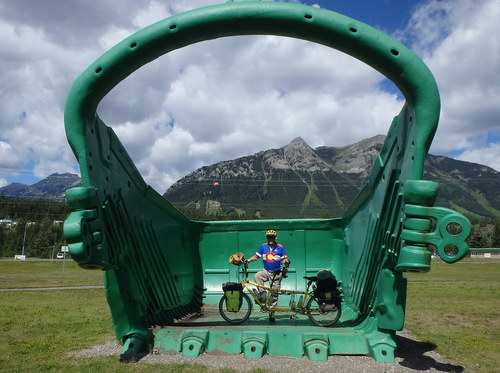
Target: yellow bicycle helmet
<point>271,232</point>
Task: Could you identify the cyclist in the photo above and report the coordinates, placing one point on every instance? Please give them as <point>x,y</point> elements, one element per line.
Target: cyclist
<point>273,255</point>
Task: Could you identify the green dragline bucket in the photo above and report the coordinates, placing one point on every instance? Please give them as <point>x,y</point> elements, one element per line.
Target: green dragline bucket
<point>160,267</point>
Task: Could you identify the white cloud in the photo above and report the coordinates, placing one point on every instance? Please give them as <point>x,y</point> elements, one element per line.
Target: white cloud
<point>488,155</point>
<point>8,157</point>
<point>226,98</point>
<point>47,167</point>
<point>459,44</point>
<point>226,107</point>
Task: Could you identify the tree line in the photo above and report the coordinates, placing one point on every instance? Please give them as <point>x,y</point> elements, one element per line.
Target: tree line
<point>34,227</point>
<point>37,226</point>
<point>485,234</point>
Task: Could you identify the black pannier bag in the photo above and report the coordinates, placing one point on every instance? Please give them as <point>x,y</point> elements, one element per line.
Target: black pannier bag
<point>233,292</point>
<point>326,287</point>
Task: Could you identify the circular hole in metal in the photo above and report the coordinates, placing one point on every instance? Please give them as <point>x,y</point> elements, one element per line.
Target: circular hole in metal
<point>173,27</point>
<point>253,349</point>
<point>98,70</point>
<point>451,250</point>
<point>191,347</point>
<point>317,350</point>
<point>352,29</point>
<point>308,16</point>
<point>394,52</point>
<point>454,228</point>
<point>133,45</point>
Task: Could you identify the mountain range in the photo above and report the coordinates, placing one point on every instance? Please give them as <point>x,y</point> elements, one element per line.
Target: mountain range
<point>52,188</point>
<point>297,181</point>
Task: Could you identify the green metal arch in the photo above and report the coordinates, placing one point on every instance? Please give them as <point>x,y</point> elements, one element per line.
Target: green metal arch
<point>122,226</point>
<point>331,29</point>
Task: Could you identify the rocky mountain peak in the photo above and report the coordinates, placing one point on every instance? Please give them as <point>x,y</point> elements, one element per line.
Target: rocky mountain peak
<point>296,150</point>
<point>358,158</point>
<point>297,155</point>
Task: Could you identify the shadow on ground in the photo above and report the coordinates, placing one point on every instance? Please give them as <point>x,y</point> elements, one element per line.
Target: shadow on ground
<point>413,355</point>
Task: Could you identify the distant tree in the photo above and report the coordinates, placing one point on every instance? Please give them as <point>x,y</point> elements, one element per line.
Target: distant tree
<point>476,238</point>
<point>42,246</point>
<point>14,239</point>
<point>496,234</point>
<point>2,239</point>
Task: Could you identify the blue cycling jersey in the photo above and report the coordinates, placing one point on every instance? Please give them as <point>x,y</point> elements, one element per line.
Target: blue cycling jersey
<point>271,256</point>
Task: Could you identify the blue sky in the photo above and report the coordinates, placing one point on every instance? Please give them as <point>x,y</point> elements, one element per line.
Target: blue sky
<point>385,15</point>
<point>197,105</point>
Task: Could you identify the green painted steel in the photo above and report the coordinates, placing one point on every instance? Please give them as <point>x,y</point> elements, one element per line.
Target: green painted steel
<point>159,266</point>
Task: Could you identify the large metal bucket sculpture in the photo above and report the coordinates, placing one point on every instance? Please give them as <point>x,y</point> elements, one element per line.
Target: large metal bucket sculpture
<point>159,266</point>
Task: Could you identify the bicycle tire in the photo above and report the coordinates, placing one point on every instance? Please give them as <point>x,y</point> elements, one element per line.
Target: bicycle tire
<point>237,317</point>
<point>320,318</point>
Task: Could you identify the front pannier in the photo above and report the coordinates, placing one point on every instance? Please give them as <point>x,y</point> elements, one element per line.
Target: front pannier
<point>233,291</point>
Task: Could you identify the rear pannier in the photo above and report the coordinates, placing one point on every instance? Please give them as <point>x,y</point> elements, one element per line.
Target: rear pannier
<point>326,286</point>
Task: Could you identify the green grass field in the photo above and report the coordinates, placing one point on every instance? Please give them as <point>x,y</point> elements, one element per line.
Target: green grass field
<point>455,307</point>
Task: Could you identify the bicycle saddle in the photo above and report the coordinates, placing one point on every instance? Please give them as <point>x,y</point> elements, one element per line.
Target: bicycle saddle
<point>313,278</point>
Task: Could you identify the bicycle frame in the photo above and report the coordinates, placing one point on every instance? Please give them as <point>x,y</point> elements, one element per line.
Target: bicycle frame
<point>296,307</point>
<point>321,312</point>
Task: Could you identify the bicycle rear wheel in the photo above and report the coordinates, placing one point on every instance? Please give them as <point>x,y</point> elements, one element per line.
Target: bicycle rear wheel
<point>236,317</point>
<point>321,315</point>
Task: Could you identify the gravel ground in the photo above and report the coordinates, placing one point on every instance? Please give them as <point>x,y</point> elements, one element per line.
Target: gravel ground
<point>411,356</point>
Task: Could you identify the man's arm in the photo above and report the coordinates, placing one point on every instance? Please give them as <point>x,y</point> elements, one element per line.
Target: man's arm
<point>252,259</point>
<point>285,259</point>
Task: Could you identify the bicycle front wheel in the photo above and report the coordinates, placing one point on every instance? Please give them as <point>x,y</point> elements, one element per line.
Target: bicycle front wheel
<point>323,315</point>
<point>236,317</point>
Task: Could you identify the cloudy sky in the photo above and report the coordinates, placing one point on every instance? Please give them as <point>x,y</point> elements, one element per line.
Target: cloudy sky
<point>232,97</point>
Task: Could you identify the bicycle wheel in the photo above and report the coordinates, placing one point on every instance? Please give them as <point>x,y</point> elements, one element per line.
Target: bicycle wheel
<point>236,317</point>
<point>323,316</point>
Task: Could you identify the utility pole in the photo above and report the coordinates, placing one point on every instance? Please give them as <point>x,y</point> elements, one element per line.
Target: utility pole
<point>24,238</point>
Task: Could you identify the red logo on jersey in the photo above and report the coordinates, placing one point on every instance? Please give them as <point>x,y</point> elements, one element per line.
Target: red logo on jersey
<point>269,257</point>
